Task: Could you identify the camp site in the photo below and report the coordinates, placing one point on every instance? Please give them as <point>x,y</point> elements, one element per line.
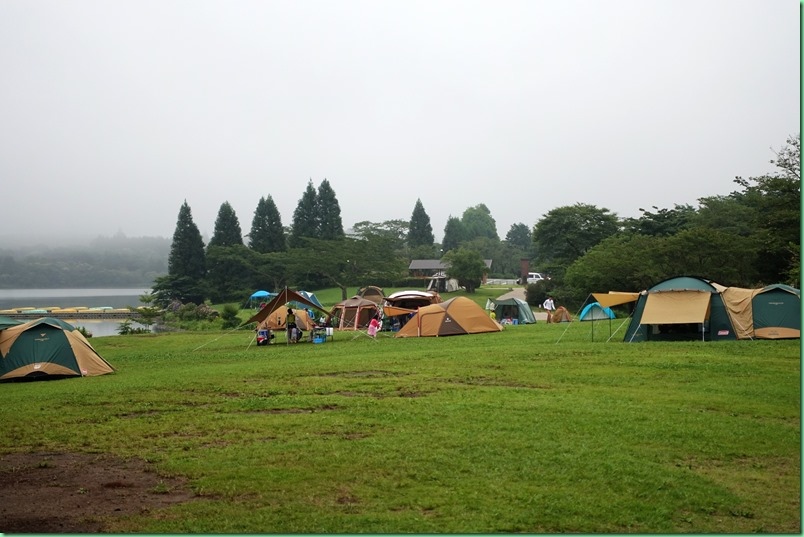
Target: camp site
<point>450,421</point>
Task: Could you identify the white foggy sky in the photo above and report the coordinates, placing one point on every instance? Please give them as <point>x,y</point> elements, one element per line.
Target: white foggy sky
<point>113,112</point>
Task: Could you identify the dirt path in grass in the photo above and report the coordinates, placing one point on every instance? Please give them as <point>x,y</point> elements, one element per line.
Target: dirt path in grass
<point>79,493</point>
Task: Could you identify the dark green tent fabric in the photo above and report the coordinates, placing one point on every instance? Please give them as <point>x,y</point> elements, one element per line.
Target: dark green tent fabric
<point>777,312</point>
<point>5,322</point>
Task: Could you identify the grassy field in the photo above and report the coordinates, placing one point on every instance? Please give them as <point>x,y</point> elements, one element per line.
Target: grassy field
<point>534,429</point>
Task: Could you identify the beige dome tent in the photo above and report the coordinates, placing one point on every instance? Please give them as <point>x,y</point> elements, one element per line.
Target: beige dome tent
<point>373,293</point>
<point>456,316</point>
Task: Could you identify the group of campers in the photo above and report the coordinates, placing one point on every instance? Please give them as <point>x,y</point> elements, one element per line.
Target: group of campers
<point>293,331</point>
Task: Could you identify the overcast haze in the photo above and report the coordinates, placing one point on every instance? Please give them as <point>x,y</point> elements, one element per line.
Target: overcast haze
<point>112,113</point>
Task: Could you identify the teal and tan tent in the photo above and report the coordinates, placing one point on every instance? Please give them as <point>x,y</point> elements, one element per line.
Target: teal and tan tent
<point>47,348</point>
<point>773,312</point>
<point>682,308</point>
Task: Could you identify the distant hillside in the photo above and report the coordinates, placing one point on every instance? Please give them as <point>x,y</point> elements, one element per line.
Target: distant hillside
<point>117,261</point>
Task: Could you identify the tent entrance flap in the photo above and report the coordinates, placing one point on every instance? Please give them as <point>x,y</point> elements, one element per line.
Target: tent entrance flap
<point>676,307</point>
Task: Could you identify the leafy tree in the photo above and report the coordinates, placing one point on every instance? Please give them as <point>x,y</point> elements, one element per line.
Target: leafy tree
<point>466,266</point>
<point>519,236</point>
<point>776,198</point>
<point>328,213</point>
<point>227,227</point>
<point>622,262</point>
<point>345,262</point>
<point>267,233</point>
<point>454,234</point>
<point>477,222</point>
<point>420,231</point>
<point>566,233</point>
<point>394,231</point>
<point>725,258</point>
<point>662,223</point>
<point>305,217</point>
<point>186,263</point>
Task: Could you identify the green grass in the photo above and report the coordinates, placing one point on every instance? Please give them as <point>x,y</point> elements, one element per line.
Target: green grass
<point>535,429</point>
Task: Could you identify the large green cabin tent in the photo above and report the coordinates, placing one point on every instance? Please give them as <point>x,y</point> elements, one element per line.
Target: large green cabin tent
<point>682,308</point>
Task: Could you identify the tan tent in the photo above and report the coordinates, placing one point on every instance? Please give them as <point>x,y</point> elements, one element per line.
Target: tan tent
<point>48,348</point>
<point>276,319</point>
<point>456,316</point>
<point>561,315</point>
<point>353,313</point>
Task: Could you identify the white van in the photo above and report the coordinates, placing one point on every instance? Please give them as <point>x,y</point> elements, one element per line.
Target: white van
<point>534,277</point>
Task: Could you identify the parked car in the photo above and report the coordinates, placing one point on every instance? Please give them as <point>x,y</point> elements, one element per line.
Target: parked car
<point>534,277</point>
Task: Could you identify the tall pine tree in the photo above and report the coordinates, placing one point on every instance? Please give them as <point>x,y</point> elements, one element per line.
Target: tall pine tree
<point>186,263</point>
<point>267,234</point>
<point>328,211</point>
<point>305,220</point>
<point>420,232</point>
<point>227,228</point>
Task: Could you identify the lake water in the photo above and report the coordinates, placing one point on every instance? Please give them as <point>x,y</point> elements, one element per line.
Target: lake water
<point>65,298</point>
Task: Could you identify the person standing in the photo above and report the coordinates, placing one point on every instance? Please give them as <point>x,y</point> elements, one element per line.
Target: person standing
<point>290,326</point>
<point>549,306</point>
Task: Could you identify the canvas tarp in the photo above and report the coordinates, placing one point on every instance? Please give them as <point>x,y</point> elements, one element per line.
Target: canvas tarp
<point>615,298</point>
<point>283,297</point>
<point>456,316</point>
<point>737,301</point>
<point>48,348</point>
<point>676,307</point>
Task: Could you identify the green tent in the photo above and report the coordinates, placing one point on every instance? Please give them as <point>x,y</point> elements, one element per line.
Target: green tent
<point>683,308</point>
<point>47,348</point>
<point>514,309</point>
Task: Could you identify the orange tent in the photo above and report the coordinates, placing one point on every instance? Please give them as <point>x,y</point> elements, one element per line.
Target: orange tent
<point>456,316</point>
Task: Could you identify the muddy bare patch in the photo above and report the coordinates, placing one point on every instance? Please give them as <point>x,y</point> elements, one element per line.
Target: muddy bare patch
<point>79,492</point>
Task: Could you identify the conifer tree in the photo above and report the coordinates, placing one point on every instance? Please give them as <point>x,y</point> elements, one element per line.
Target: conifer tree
<point>227,228</point>
<point>420,232</point>
<point>328,212</point>
<point>186,263</point>
<point>267,234</point>
<point>305,220</point>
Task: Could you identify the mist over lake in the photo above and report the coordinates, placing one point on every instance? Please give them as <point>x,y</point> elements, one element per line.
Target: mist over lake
<point>65,298</point>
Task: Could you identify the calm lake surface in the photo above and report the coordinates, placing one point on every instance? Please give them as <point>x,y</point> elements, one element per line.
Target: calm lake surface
<point>65,298</point>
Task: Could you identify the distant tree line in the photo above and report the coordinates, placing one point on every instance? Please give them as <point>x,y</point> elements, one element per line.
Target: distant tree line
<point>116,261</point>
<point>749,237</point>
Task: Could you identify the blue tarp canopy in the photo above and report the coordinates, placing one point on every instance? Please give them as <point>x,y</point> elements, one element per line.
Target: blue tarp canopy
<point>260,294</point>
